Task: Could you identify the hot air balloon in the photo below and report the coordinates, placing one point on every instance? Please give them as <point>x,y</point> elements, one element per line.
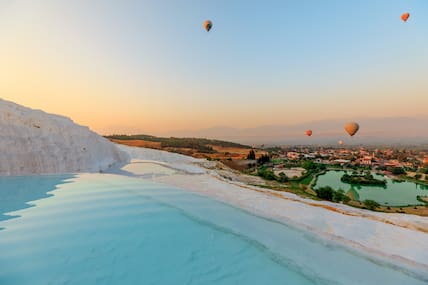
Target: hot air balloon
<point>405,17</point>
<point>351,128</point>
<point>208,25</point>
<point>340,142</point>
<point>309,133</point>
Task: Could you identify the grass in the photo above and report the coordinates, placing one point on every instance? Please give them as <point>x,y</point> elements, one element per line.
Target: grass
<point>307,180</point>
<point>414,180</point>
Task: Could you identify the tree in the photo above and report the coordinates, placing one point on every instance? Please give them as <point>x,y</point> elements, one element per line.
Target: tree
<point>338,195</point>
<point>371,205</point>
<point>322,166</point>
<point>282,177</point>
<point>269,175</point>
<point>266,174</point>
<point>418,176</point>
<point>398,171</point>
<point>325,193</point>
<point>346,199</point>
<point>251,155</point>
<point>263,159</point>
<point>308,165</point>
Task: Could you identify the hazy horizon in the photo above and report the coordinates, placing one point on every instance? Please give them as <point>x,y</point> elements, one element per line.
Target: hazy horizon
<point>149,67</point>
<point>374,131</point>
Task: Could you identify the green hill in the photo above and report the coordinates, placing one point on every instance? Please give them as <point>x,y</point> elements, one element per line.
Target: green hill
<point>203,145</point>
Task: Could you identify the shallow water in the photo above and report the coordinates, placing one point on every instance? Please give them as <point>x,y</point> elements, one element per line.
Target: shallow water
<point>394,194</point>
<point>146,170</point>
<point>112,229</point>
<point>15,192</point>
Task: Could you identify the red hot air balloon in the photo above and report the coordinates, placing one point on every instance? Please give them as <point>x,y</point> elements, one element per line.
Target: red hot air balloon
<point>309,133</point>
<point>405,17</point>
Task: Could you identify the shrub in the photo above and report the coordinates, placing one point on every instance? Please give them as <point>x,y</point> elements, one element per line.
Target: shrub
<point>346,199</point>
<point>338,195</point>
<point>325,193</point>
<point>266,174</point>
<point>308,165</point>
<point>282,177</point>
<point>371,204</point>
<point>398,171</point>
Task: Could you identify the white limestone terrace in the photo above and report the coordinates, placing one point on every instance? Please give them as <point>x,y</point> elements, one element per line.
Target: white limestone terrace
<point>399,239</point>
<point>183,163</point>
<point>35,142</point>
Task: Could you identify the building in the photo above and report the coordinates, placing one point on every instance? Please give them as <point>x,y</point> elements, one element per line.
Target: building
<point>293,155</point>
<point>366,160</point>
<point>341,161</point>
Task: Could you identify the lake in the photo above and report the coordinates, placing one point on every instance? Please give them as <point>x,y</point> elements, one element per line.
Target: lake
<point>394,193</point>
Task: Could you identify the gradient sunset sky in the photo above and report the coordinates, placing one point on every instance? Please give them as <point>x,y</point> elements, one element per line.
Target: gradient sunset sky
<point>149,67</point>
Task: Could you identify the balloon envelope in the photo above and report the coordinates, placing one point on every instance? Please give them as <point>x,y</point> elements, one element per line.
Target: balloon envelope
<point>340,142</point>
<point>309,133</point>
<point>405,16</point>
<point>208,25</point>
<point>352,128</point>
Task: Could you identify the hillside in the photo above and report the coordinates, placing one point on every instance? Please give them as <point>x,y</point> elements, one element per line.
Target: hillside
<point>201,143</point>
<point>196,147</point>
<point>35,142</point>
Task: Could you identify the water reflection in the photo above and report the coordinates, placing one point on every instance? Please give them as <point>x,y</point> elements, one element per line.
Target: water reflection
<point>423,187</point>
<point>17,191</point>
<point>396,192</point>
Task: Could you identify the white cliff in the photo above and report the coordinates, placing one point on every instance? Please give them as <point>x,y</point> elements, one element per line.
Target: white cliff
<point>35,142</point>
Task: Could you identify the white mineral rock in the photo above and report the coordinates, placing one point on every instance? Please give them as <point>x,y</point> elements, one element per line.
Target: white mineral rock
<point>34,142</point>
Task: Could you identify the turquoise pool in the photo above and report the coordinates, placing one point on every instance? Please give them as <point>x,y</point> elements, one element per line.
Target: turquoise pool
<point>113,229</point>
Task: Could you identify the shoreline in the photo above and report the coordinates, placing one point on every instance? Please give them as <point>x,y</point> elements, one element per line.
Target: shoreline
<point>420,210</point>
<point>384,236</point>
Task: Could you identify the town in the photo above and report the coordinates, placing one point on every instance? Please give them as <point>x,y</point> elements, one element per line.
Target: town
<point>381,178</point>
<point>392,179</point>
<point>389,161</point>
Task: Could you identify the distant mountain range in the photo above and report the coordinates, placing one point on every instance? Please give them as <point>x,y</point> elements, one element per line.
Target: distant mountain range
<point>395,130</point>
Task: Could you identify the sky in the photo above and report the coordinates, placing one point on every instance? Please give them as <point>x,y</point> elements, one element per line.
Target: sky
<point>149,66</point>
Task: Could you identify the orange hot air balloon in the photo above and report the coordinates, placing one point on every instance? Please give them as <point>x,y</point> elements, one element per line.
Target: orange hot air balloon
<point>340,142</point>
<point>208,25</point>
<point>405,17</point>
<point>352,128</point>
<point>309,133</point>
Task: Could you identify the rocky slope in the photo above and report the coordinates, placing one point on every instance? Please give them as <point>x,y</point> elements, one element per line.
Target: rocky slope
<point>35,142</point>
